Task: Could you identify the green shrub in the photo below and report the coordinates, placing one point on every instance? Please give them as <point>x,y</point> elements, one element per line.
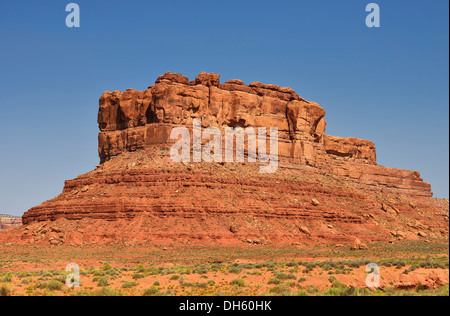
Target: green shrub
<point>25,281</point>
<point>97,272</point>
<point>327,267</point>
<point>312,289</point>
<point>5,290</point>
<point>338,285</point>
<point>201,285</point>
<point>7,278</point>
<point>353,264</point>
<point>235,269</point>
<point>107,291</point>
<point>284,276</point>
<point>106,267</point>
<point>138,276</point>
<point>153,291</point>
<point>24,274</point>
<point>54,285</point>
<point>411,268</point>
<point>255,273</point>
<point>420,288</point>
<point>353,291</point>
<point>238,282</point>
<point>389,290</point>
<point>201,270</point>
<point>282,289</point>
<point>111,272</point>
<point>249,266</point>
<point>128,285</point>
<point>432,265</point>
<point>102,281</point>
<point>274,281</point>
<point>332,279</point>
<point>333,292</point>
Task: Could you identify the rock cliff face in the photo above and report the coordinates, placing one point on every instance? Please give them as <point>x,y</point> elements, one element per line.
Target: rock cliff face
<point>134,120</point>
<point>7,221</point>
<point>321,180</point>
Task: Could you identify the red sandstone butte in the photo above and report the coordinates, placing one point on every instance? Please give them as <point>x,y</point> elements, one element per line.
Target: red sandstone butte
<point>137,181</point>
<point>133,120</point>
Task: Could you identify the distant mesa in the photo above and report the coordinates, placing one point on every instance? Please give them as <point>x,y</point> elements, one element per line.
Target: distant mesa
<point>9,221</point>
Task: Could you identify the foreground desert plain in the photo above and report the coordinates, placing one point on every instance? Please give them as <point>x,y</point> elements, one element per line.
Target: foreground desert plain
<point>141,224</point>
<point>406,268</point>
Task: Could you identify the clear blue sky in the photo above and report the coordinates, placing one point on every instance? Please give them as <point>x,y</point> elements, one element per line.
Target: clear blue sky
<point>388,85</point>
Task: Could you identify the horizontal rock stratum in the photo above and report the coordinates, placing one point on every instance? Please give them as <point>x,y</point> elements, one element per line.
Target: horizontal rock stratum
<point>321,179</point>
